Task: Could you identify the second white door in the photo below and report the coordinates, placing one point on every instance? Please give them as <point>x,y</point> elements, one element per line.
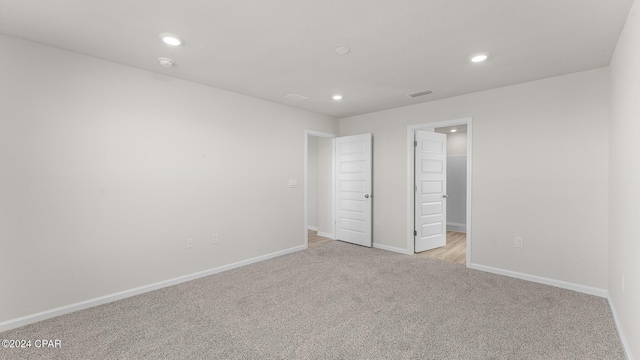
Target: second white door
<point>353,189</point>
<point>430,190</point>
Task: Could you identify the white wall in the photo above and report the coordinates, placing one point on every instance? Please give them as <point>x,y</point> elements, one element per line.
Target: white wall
<point>320,184</point>
<point>312,186</point>
<point>325,185</point>
<point>457,191</point>
<point>540,171</point>
<point>624,187</point>
<point>457,143</point>
<point>106,170</point>
<point>457,181</point>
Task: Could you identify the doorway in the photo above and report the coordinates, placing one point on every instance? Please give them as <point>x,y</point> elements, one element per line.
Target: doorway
<point>343,212</point>
<point>456,220</point>
<point>319,218</point>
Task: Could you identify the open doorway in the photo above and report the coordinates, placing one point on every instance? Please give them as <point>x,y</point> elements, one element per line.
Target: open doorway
<point>343,212</point>
<point>451,197</point>
<point>319,179</point>
<point>455,248</point>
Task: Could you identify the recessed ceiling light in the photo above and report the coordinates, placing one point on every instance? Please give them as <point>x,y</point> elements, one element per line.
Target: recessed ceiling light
<point>171,39</point>
<point>453,130</point>
<point>476,58</point>
<point>343,50</point>
<point>337,97</point>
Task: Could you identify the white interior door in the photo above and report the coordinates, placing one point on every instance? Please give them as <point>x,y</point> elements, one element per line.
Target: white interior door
<point>353,189</point>
<point>430,190</point>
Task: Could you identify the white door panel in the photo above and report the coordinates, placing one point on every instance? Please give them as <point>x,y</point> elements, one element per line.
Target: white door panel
<point>353,189</point>
<point>431,189</point>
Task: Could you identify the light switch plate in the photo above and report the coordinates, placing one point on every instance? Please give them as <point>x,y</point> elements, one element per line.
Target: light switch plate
<point>293,183</point>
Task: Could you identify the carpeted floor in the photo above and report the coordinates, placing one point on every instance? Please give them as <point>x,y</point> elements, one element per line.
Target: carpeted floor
<point>337,301</point>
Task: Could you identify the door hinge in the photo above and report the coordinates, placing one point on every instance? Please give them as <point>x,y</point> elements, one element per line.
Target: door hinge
<point>415,233</point>
<point>415,188</point>
<point>415,143</point>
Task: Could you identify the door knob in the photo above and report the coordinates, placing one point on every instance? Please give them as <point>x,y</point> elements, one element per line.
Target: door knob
<point>366,196</point>
<point>445,196</point>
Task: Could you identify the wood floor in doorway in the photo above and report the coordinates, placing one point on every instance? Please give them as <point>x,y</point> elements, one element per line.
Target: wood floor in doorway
<point>455,251</point>
<point>315,239</point>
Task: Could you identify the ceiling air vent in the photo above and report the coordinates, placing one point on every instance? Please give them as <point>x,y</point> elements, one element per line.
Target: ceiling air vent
<point>296,97</point>
<point>420,93</point>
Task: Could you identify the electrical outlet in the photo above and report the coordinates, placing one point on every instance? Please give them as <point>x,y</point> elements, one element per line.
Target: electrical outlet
<point>519,242</point>
<point>214,239</point>
<point>622,282</point>
<point>189,243</point>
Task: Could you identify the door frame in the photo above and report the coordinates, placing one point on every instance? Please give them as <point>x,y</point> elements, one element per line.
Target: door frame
<point>411,174</point>
<point>308,133</point>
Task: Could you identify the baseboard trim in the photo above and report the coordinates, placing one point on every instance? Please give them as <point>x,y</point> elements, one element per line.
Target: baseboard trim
<point>542,280</point>
<point>30,319</point>
<point>623,337</point>
<point>391,248</point>
<point>314,228</point>
<point>457,227</point>
<point>327,235</point>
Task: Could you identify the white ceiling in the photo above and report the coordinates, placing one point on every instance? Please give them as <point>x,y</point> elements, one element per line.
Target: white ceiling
<point>269,49</point>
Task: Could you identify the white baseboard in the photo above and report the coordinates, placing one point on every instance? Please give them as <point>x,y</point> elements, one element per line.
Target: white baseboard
<point>457,227</point>
<point>30,319</point>
<point>327,235</point>
<point>623,337</point>
<point>542,280</point>
<point>391,248</point>
<point>314,228</point>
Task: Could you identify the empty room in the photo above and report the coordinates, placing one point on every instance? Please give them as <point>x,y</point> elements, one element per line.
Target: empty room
<point>419,179</point>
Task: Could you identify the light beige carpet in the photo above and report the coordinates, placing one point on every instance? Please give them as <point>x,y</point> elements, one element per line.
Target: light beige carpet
<point>337,301</point>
